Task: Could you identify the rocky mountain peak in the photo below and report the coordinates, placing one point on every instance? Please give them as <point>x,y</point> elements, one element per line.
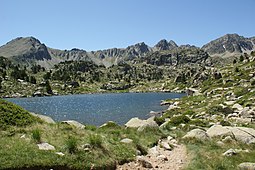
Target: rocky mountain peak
<point>28,47</point>
<point>231,43</point>
<point>164,45</point>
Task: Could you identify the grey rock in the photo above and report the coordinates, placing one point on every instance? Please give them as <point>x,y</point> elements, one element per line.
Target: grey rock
<point>246,166</point>
<point>218,131</point>
<point>165,145</point>
<point>229,152</point>
<point>144,163</point>
<point>44,118</point>
<point>154,151</point>
<point>137,123</point>
<point>45,146</point>
<point>197,134</point>
<point>237,106</point>
<point>227,139</point>
<point>162,157</point>
<point>126,140</point>
<point>60,153</point>
<point>74,124</point>
<point>245,135</point>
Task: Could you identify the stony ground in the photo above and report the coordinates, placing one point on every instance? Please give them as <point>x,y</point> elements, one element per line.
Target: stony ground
<point>159,158</point>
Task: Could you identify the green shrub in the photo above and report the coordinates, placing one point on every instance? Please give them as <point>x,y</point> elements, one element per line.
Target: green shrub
<point>253,82</point>
<point>177,120</point>
<point>189,112</point>
<point>225,123</point>
<point>198,122</point>
<point>241,92</point>
<point>159,120</point>
<point>219,109</point>
<point>36,135</point>
<point>71,145</point>
<point>13,115</point>
<point>95,140</point>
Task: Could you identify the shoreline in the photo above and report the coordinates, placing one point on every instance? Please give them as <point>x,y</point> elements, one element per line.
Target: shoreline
<point>106,92</point>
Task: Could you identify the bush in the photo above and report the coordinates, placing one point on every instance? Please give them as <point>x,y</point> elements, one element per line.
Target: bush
<point>13,115</point>
<point>36,135</point>
<point>159,120</point>
<point>95,140</point>
<point>219,109</point>
<point>225,123</point>
<point>177,120</point>
<point>71,145</point>
<point>198,122</point>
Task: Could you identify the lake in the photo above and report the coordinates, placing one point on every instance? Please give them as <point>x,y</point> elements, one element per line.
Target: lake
<point>96,109</point>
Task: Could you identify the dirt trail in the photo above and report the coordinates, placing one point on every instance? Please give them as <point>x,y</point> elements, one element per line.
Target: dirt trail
<point>159,158</point>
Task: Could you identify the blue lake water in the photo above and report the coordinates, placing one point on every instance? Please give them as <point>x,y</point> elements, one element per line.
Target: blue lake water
<point>97,109</point>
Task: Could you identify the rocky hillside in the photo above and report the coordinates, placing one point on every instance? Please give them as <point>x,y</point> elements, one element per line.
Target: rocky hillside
<point>230,44</point>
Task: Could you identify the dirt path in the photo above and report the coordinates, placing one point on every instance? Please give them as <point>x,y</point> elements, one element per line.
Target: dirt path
<point>159,158</point>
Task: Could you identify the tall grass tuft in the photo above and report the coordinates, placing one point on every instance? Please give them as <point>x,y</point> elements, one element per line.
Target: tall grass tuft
<point>71,145</point>
<point>36,136</point>
<point>95,140</point>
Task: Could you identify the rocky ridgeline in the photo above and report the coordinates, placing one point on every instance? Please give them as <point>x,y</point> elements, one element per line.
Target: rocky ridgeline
<point>29,50</point>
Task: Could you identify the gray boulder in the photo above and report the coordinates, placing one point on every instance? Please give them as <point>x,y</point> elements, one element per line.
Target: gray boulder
<point>126,140</point>
<point>44,118</point>
<point>243,134</point>
<point>246,166</point>
<point>237,107</point>
<point>197,134</point>
<point>137,123</point>
<point>218,131</point>
<point>46,147</point>
<point>74,124</point>
<point>144,163</point>
<point>229,152</point>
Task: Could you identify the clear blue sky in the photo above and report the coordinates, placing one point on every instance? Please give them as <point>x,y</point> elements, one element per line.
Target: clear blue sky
<point>102,24</point>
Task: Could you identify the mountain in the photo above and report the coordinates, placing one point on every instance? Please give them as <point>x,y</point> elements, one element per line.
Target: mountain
<point>164,45</point>
<point>30,51</point>
<point>29,48</point>
<point>230,44</point>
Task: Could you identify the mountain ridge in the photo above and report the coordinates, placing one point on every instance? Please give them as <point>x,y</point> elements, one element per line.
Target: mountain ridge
<point>30,50</point>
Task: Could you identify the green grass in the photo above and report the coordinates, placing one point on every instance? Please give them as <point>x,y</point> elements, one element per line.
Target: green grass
<point>36,136</point>
<point>106,148</point>
<point>208,155</point>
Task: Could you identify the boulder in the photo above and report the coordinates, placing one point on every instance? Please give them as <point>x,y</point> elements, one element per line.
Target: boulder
<point>227,139</point>
<point>60,153</point>
<point>229,152</point>
<point>109,125</point>
<point>74,124</point>
<point>136,123</point>
<point>245,113</point>
<point>153,151</point>
<point>144,163</point>
<point>218,131</point>
<point>46,147</point>
<point>197,134</point>
<point>162,157</point>
<point>44,118</point>
<point>165,145</point>
<point>242,134</point>
<point>237,106</point>
<point>126,140</point>
<point>246,166</point>
<point>229,102</point>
